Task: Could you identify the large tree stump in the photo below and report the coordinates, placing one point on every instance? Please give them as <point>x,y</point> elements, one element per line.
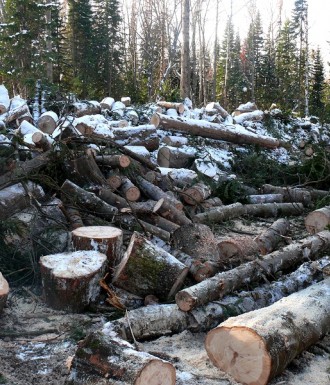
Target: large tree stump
<point>256,346</point>
<point>71,280</point>
<point>269,239</point>
<point>105,239</point>
<point>148,269</point>
<point>4,291</point>
<point>318,220</point>
<point>103,355</point>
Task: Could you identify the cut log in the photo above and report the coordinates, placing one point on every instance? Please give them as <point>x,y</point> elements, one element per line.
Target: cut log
<point>85,171</point>
<point>174,157</point>
<point>133,117</point>
<point>107,103</point>
<point>141,150</point>
<point>92,124</point>
<point>43,141</point>
<point>211,202</point>
<point>175,141</point>
<point>4,291</point>
<point>87,200</point>
<point>220,214</point>
<point>168,211</point>
<point>85,108</point>
<point>220,110</point>
<point>196,194</point>
<point>318,220</point>
<point>267,210</point>
<point>104,239</point>
<point>254,116</point>
<point>17,112</point>
<point>17,197</point>
<point>237,248</point>
<point>289,194</point>
<point>113,161</point>
<point>223,283</point>
<point>73,216</point>
<point>256,346</point>
<point>178,106</point>
<point>213,131</point>
<point>118,123</point>
<point>120,298</point>
<point>126,100</point>
<point>161,222</point>
<point>47,122</point>
<point>197,240</point>
<point>156,231</point>
<point>265,198</point>
<point>270,238</point>
<point>180,177</point>
<point>114,180</point>
<point>145,135</point>
<point>148,269</point>
<point>157,321</point>
<point>70,280</point>
<point>129,191</point>
<point>103,356</point>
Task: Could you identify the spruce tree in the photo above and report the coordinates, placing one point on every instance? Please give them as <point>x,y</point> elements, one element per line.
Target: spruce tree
<point>317,85</point>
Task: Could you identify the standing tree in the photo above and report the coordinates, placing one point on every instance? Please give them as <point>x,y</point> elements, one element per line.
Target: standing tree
<point>317,84</point>
<point>185,57</point>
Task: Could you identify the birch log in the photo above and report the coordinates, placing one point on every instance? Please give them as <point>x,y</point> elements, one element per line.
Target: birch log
<point>256,346</point>
<point>289,194</point>
<point>318,220</point>
<point>4,291</point>
<point>269,239</point>
<point>265,198</point>
<point>213,131</point>
<point>223,283</point>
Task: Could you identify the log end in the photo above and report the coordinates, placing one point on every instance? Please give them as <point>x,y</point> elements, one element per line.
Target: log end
<point>240,352</point>
<point>157,372</point>
<point>155,120</point>
<point>316,221</point>
<point>4,291</point>
<point>185,301</point>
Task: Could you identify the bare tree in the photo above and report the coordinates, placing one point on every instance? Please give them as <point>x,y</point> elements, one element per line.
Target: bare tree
<point>185,57</point>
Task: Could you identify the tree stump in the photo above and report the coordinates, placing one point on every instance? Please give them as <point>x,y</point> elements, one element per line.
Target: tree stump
<point>148,269</point>
<point>318,220</point>
<point>104,239</point>
<point>71,280</point>
<point>4,291</point>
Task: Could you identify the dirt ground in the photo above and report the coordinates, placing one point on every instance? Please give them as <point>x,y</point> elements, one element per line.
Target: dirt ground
<point>36,342</point>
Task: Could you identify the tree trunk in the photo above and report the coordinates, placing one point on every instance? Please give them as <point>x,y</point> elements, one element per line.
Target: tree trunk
<point>148,269</point>
<point>256,346</point>
<point>289,194</point>
<point>87,200</point>
<point>196,194</point>
<point>318,220</point>
<point>70,280</point>
<point>169,211</point>
<point>185,57</point>
<point>178,106</point>
<point>85,171</point>
<point>104,239</point>
<point>212,131</point>
<point>267,210</point>
<point>270,238</point>
<point>4,291</point>
<point>174,157</point>
<point>220,214</point>
<point>228,281</point>
<point>103,355</point>
<point>265,198</point>
<point>113,161</point>
<point>47,122</point>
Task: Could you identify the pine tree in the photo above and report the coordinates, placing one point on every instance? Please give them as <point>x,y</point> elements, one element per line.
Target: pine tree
<point>317,85</point>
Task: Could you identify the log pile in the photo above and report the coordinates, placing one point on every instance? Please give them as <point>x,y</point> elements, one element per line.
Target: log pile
<point>141,224</point>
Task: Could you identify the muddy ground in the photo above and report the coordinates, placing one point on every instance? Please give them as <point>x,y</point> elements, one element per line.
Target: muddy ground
<point>37,343</point>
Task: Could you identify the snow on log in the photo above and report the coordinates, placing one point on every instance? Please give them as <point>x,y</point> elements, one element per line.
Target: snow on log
<point>17,197</point>
<point>47,122</point>
<point>107,103</point>
<point>17,112</point>
<point>70,280</point>
<point>144,135</point>
<point>4,99</point>
<point>196,194</point>
<point>318,220</point>
<point>254,116</point>
<point>256,346</point>
<point>174,157</point>
<point>140,150</point>
<point>85,108</point>
<point>265,198</point>
<point>223,283</point>
<point>126,100</point>
<point>230,133</point>
<point>4,291</point>
<point>218,108</point>
<point>270,238</point>
<point>156,321</point>
<point>289,194</point>
<point>148,269</point>
<point>175,141</point>
<point>102,355</point>
<point>178,106</point>
<point>180,177</point>
<point>104,239</point>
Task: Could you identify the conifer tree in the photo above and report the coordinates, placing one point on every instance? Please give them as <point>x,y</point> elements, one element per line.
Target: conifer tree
<point>317,85</point>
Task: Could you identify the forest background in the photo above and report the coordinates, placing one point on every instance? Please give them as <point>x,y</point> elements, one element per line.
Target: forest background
<point>161,49</point>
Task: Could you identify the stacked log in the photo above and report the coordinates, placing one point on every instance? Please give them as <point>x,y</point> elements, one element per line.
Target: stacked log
<point>4,291</point>
<point>318,220</point>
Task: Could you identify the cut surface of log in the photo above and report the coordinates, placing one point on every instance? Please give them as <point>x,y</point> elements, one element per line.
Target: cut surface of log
<point>269,238</point>
<point>196,194</point>
<point>178,106</point>
<point>70,280</point>
<point>105,239</point>
<point>237,247</point>
<point>4,291</point>
<point>47,122</point>
<point>318,220</point>
<point>129,191</point>
<point>256,346</point>
<point>148,269</point>
<point>114,161</point>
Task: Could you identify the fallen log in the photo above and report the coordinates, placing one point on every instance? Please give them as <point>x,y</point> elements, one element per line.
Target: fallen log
<point>85,171</point>
<point>4,291</point>
<point>218,108</point>
<point>102,355</point>
<point>178,106</point>
<point>113,161</point>
<point>87,200</point>
<point>213,131</point>
<point>318,220</point>
<point>223,283</point>
<point>70,280</point>
<point>129,191</point>
<point>220,214</point>
<point>174,157</point>
<point>73,216</point>
<point>85,108</point>
<point>145,135</point>
<point>267,210</point>
<point>47,122</point>
<point>269,239</point>
<point>104,239</point>
<point>175,141</point>
<point>256,346</point>
<point>289,194</point>
<point>148,269</point>
<point>196,194</point>
<point>156,321</point>
<point>265,198</point>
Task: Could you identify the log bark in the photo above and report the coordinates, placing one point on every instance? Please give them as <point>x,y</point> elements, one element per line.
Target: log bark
<point>318,220</point>
<point>265,198</point>
<point>140,150</point>
<point>174,157</point>
<point>178,106</point>
<point>289,194</point>
<point>85,171</point>
<point>4,291</point>
<point>237,248</point>
<point>103,356</point>
<point>73,216</point>
<point>219,109</point>
<point>145,135</point>
<point>148,228</point>
<point>220,214</point>
<point>226,282</point>
<point>256,346</point>
<point>47,122</point>
<point>148,269</point>
<point>18,197</point>
<point>196,194</point>
<point>113,161</point>
<point>104,239</point>
<point>129,191</point>
<point>267,210</point>
<point>169,211</point>
<point>17,112</point>
<point>269,239</point>
<point>161,222</point>
<point>87,200</point>
<point>70,280</point>
<point>213,131</point>
<point>180,177</point>
<point>156,321</point>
